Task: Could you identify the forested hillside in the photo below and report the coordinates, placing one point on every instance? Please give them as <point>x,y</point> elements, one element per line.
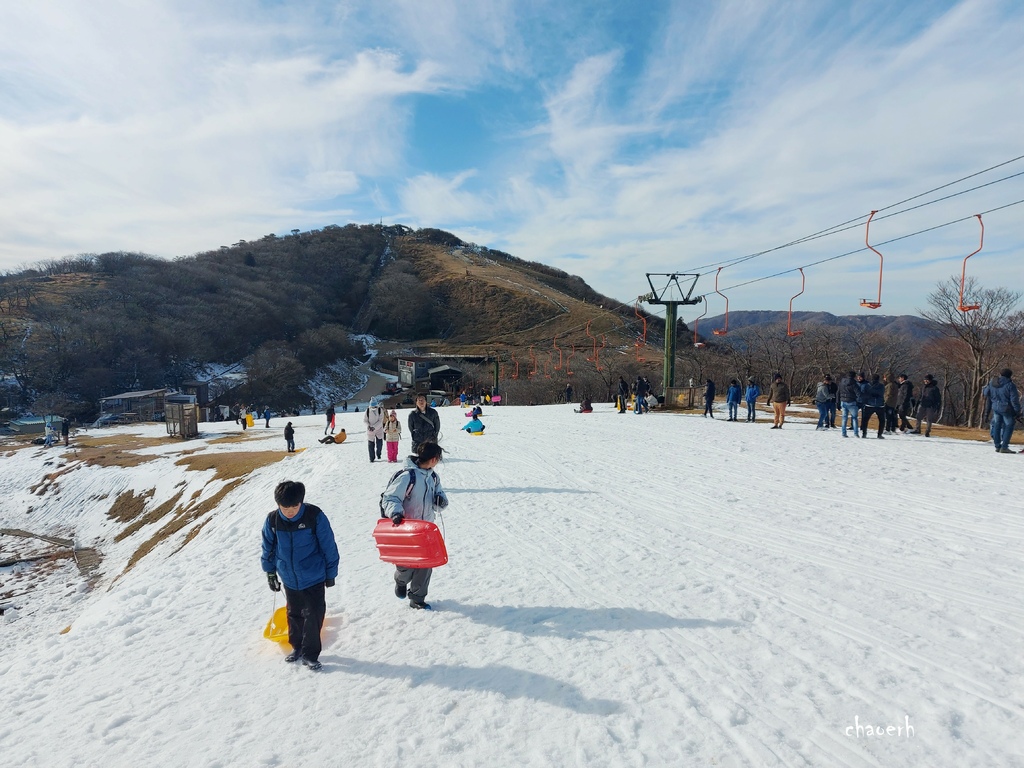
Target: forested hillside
<point>77,329</point>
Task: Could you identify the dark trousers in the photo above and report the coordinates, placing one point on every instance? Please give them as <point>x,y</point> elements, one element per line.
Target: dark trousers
<point>901,413</point>
<point>306,609</point>
<point>291,445</point>
<point>866,414</point>
<point>831,413</point>
<point>416,581</point>
<point>708,409</point>
<point>927,415</point>
<point>890,418</point>
<point>373,443</point>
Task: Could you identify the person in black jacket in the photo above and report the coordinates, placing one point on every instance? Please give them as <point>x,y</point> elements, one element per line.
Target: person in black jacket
<point>709,399</point>
<point>623,395</point>
<point>873,396</point>
<point>289,437</point>
<point>929,407</point>
<point>904,402</point>
<point>849,393</point>
<point>424,423</point>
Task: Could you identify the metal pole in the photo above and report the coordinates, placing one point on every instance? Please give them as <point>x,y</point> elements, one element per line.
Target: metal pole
<point>669,369</point>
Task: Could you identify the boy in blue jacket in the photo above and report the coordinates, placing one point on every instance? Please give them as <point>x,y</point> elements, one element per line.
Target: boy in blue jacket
<point>299,546</point>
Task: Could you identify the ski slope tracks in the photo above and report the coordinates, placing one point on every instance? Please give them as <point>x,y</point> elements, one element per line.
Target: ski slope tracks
<point>657,590</point>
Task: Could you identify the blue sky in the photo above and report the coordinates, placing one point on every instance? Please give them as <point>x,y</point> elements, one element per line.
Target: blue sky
<point>607,139</point>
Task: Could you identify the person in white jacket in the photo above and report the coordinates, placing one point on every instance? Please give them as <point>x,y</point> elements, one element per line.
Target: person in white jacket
<point>374,421</point>
<point>414,493</point>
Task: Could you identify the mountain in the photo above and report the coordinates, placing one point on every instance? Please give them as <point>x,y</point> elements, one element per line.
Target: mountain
<point>907,326</point>
<point>77,329</point>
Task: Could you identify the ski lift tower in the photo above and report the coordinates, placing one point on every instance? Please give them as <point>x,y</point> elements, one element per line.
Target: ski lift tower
<point>668,291</point>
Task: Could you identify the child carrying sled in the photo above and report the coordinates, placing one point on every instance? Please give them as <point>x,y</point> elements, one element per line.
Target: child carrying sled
<point>415,493</point>
<point>299,552</point>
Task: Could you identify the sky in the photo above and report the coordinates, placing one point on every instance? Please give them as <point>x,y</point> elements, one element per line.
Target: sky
<point>609,140</point>
<point>586,617</point>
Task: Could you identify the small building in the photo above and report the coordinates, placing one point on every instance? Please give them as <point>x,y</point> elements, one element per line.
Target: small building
<point>412,370</point>
<point>199,389</point>
<point>144,405</point>
<point>444,377</point>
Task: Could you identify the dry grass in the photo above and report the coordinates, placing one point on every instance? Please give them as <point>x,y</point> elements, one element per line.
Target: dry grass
<point>181,519</point>
<point>128,506</point>
<point>231,465</point>
<point>112,450</point>
<point>153,516</point>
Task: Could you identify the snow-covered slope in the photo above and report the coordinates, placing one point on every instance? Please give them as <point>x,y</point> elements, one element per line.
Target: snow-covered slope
<point>660,590</point>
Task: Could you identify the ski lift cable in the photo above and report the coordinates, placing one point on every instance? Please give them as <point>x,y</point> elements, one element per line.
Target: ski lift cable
<point>854,222</point>
<point>862,250</point>
<point>703,297</point>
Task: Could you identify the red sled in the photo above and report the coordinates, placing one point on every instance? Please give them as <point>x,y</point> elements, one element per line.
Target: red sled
<point>413,544</point>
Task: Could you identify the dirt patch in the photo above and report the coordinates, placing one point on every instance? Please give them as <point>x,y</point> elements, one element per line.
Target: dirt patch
<point>231,465</point>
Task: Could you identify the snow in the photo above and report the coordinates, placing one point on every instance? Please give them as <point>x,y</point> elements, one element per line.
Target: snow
<point>657,590</point>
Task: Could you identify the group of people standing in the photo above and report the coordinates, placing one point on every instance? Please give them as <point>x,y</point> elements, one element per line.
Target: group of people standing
<point>891,399</point>
<point>642,392</point>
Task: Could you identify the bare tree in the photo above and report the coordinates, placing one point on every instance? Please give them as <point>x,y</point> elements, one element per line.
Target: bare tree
<point>990,332</point>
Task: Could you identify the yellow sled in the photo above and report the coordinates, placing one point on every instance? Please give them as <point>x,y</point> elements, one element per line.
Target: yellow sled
<point>277,627</point>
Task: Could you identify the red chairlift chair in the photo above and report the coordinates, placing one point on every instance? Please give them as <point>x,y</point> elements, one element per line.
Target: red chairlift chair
<point>881,262</point>
<point>725,330</point>
<point>789,322</point>
<point>963,274</point>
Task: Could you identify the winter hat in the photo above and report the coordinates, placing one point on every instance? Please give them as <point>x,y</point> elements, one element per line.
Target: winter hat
<point>929,377</point>
<point>1006,373</point>
<point>393,413</point>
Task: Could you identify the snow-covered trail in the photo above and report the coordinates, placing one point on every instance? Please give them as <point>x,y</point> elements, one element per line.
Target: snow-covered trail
<point>623,590</point>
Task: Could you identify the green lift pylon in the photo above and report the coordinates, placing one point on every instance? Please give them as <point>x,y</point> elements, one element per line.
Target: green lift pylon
<point>670,295</point>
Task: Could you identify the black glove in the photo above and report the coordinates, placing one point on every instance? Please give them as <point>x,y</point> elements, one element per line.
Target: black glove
<point>275,585</point>
<point>397,518</point>
<point>440,501</point>
<point>329,583</point>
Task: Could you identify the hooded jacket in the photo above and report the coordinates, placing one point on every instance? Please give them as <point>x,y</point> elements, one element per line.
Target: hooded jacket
<point>931,397</point>
<point>874,395</point>
<point>752,393</point>
<point>427,493</point>
<point>732,395</point>
<point>849,390</point>
<point>1002,396</point>
<point>374,421</point>
<point>300,557</point>
<point>906,394</point>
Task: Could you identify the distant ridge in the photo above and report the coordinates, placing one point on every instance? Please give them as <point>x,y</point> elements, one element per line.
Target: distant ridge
<point>911,326</point>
